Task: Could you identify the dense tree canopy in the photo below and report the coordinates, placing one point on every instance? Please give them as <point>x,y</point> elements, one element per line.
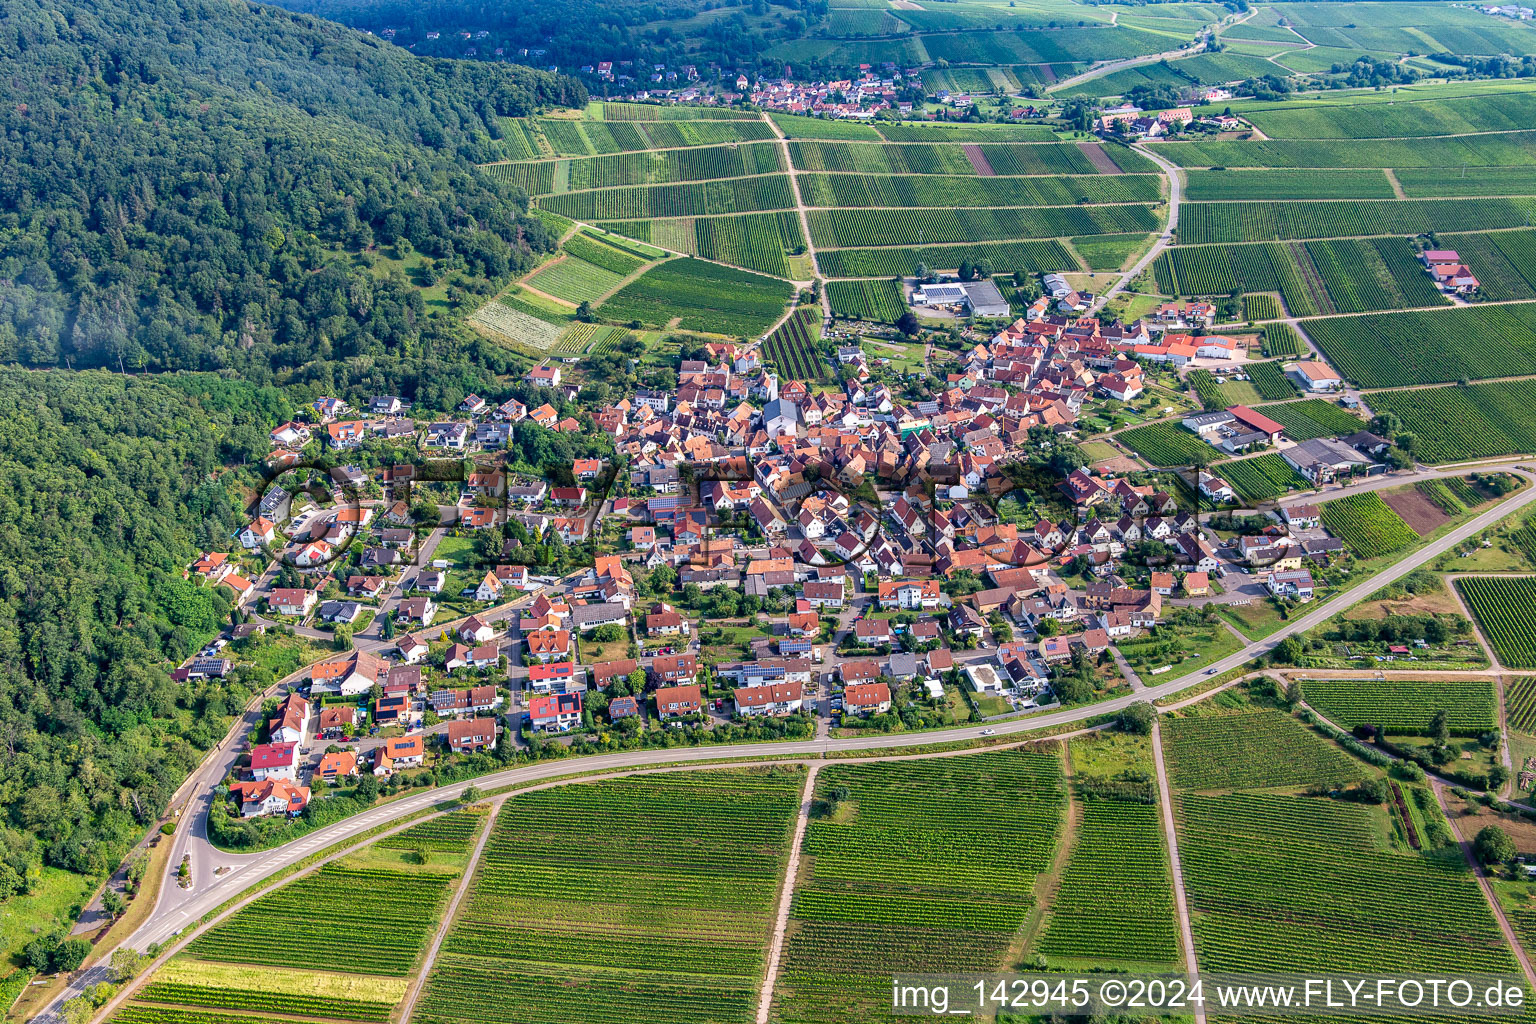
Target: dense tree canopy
<point>109,485</point>
<point>183,186</point>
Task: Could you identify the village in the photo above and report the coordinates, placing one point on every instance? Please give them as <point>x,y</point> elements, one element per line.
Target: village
<point>757,552</point>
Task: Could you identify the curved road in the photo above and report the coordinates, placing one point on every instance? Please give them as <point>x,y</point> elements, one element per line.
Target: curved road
<point>178,907</point>
<point>1175,194</point>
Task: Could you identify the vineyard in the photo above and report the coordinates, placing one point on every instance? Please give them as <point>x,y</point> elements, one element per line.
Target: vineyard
<point>337,913</point>
<point>1281,341</point>
<point>853,228</point>
<point>924,865</point>
<point>1222,270</point>
<point>1366,525</point>
<point>1453,496</point>
<point>1350,275</point>
<point>1163,445</point>
<point>1444,158</point>
<point>1504,262</point>
<point>1326,894</point>
<point>1520,703</point>
<point>1313,418</point>
<point>823,128</point>
<point>1003,257</point>
<point>1262,478</point>
<point>611,258</point>
<point>1252,750</point>
<point>851,190</point>
<point>966,133</point>
<point>1115,903</point>
<point>573,280</point>
<point>1453,424</point>
<point>1261,307</point>
<point>593,138</point>
<point>754,241</point>
<point>792,348</point>
<point>446,833</point>
<point>1270,381</point>
<point>1258,222</point>
<point>646,899</point>
<point>918,159</point>
<point>1404,706</point>
<point>1108,252</point>
<point>1308,184</point>
<point>688,199</point>
<point>516,326</point>
<point>702,296</point>
<point>1505,610</point>
<point>882,301</point>
<point>1395,349</point>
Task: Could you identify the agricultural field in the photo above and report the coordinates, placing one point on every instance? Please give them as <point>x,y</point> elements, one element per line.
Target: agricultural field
<point>1261,222</point>
<point>701,296</point>
<point>196,986</point>
<point>446,833</point>
<point>1250,750</point>
<point>327,911</point>
<point>1453,424</point>
<point>1109,252</point>
<point>1262,307</point>
<point>1454,496</point>
<point>1296,184</point>
<point>573,280</point>
<point>1163,445</point>
<point>1210,270</point>
<point>1115,902</point>
<point>1312,418</point>
<point>1421,182</point>
<point>575,174</point>
<point>1395,349</point>
<point>1262,478</point>
<point>1505,610</point>
<point>1003,257</point>
<point>1520,703</point>
<point>1283,342</point>
<point>1505,111</point>
<point>855,190</point>
<point>918,158</point>
<point>647,898</point>
<point>854,228</point>
<point>1405,706</point>
<point>753,241</point>
<point>1366,525</point>
<point>792,349</point>
<point>925,865</point>
<point>687,199</point>
<point>1443,158</point>
<point>1504,262</point>
<point>1329,893</point>
<point>517,325</point>
<point>561,137</point>
<point>881,301</point>
<point>1270,381</point>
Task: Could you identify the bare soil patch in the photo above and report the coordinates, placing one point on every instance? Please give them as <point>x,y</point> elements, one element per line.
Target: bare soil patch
<point>1048,73</point>
<point>1101,160</point>
<point>1417,511</point>
<point>979,160</point>
<point>1119,464</point>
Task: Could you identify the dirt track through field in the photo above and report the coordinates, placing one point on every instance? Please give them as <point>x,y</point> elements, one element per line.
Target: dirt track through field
<point>979,160</point>
<point>1101,160</point>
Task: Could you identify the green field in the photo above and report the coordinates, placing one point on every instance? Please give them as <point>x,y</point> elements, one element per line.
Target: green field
<point>702,296</point>
<point>923,865</point>
<point>1405,706</point>
<point>654,894</point>
<point>1505,610</point>
<point>1367,525</point>
<point>1394,349</point>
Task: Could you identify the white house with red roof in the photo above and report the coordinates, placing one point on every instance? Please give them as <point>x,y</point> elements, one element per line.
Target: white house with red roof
<point>275,761</point>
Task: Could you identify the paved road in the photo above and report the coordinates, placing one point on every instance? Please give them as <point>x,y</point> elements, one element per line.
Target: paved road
<point>180,907</point>
<point>1175,193</point>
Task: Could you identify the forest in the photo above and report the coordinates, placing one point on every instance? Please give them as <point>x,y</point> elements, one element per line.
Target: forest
<point>183,185</point>
<point>109,486</point>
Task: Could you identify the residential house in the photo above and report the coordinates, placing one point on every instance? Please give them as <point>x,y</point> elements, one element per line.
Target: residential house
<point>867,698</point>
<point>292,601</point>
<point>273,796</point>
<point>335,766</point>
<point>469,736</point>
<point>399,753</point>
<point>769,699</point>
<point>291,722</point>
<point>275,761</point>
<point>676,701</point>
<point>555,712</point>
